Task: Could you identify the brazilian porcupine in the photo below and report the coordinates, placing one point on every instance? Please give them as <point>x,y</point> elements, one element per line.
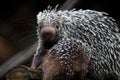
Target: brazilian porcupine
<point>97,32</point>
<point>66,60</point>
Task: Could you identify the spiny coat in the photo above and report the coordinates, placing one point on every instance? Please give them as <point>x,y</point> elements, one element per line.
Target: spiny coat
<point>98,33</point>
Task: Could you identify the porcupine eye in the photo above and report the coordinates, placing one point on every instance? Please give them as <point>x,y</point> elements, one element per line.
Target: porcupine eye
<point>57,27</point>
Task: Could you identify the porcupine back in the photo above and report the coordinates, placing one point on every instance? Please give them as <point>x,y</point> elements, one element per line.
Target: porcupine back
<point>98,34</point>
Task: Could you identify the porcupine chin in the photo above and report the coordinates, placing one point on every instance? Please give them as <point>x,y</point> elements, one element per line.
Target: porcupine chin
<point>66,60</point>
<point>98,34</point>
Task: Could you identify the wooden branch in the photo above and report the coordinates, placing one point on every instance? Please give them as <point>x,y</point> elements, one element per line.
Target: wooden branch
<point>23,73</point>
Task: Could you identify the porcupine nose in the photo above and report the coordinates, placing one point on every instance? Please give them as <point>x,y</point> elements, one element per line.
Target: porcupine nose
<point>48,33</point>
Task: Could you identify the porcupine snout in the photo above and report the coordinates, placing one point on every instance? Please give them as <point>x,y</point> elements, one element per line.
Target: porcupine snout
<point>48,33</point>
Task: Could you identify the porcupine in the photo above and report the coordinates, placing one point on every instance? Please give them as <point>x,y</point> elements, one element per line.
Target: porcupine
<point>97,30</point>
<point>66,60</point>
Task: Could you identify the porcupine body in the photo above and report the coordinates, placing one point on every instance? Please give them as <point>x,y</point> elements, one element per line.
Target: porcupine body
<point>98,34</point>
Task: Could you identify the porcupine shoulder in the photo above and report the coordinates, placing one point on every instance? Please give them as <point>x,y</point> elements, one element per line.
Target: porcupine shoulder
<point>66,60</point>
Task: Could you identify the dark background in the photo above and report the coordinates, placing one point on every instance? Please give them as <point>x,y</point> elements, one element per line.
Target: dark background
<point>18,21</point>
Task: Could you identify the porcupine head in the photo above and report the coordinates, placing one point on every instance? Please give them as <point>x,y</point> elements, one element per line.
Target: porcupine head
<point>48,27</point>
<point>48,33</point>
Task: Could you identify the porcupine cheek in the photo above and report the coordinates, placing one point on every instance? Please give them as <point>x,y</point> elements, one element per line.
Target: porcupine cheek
<point>48,33</point>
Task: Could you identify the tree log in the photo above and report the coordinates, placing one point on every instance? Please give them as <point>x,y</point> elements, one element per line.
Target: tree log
<point>23,73</point>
